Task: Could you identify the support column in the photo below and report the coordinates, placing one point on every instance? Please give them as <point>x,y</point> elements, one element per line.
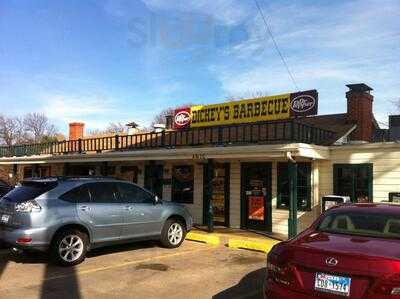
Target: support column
<point>66,169</point>
<point>104,168</point>
<point>292,221</point>
<point>208,195</point>
<point>35,170</point>
<point>14,178</point>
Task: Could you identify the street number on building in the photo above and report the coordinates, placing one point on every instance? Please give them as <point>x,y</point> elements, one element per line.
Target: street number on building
<point>199,157</point>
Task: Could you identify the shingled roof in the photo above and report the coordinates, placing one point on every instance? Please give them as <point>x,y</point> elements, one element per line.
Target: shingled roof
<point>337,123</point>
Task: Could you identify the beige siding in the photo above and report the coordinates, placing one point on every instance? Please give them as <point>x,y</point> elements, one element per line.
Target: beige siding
<point>57,169</point>
<point>234,204</point>
<point>140,174</point>
<point>386,168</point>
<point>6,173</point>
<point>167,189</point>
<point>196,209</point>
<point>325,178</point>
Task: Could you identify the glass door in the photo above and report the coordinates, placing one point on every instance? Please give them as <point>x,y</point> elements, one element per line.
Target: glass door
<point>256,210</point>
<point>220,194</point>
<point>154,179</point>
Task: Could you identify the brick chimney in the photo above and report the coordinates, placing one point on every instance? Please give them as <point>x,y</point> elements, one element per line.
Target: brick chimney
<point>76,130</point>
<point>359,111</point>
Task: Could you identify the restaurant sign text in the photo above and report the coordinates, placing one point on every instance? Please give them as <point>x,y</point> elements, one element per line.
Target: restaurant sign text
<point>247,111</point>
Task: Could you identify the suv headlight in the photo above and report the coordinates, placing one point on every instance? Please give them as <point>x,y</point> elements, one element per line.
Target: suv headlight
<point>29,206</point>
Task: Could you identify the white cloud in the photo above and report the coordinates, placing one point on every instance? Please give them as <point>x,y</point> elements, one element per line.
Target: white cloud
<point>93,111</point>
<point>226,12</point>
<point>326,50</point>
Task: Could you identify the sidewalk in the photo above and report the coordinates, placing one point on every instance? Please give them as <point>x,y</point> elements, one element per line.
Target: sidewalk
<point>235,238</point>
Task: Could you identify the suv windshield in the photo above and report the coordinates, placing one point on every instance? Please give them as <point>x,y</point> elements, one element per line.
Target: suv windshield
<point>29,190</point>
<point>362,224</point>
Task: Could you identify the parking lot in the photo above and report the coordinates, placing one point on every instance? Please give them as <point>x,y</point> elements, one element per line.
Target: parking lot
<point>142,270</point>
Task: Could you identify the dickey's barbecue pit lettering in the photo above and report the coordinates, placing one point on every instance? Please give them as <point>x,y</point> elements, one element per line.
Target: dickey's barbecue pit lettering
<point>254,110</point>
<point>247,111</point>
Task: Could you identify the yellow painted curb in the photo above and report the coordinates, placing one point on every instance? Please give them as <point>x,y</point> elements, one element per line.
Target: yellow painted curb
<point>204,238</point>
<point>259,245</point>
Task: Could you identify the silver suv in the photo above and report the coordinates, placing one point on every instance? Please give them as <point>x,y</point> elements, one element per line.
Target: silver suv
<point>70,216</point>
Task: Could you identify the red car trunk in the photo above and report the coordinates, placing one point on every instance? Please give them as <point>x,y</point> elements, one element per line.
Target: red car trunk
<point>372,264</point>
<point>310,254</point>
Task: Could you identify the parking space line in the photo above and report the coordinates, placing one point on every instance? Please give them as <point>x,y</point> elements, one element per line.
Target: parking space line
<point>84,272</point>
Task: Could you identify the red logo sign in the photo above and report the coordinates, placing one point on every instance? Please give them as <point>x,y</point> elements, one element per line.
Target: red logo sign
<point>182,118</point>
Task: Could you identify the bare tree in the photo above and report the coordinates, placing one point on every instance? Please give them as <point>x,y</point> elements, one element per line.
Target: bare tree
<point>116,128</point>
<point>396,103</point>
<point>112,128</point>
<point>160,117</point>
<point>38,128</point>
<point>247,95</point>
<point>11,130</point>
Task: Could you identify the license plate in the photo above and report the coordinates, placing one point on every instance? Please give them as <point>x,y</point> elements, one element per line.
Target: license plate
<point>5,218</point>
<point>332,284</point>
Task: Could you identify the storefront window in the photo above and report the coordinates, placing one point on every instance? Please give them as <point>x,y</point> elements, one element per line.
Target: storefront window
<point>182,183</point>
<point>353,180</point>
<point>28,172</point>
<point>129,173</point>
<point>303,186</point>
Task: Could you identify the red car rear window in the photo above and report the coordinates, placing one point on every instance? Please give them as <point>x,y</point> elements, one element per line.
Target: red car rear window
<point>382,225</point>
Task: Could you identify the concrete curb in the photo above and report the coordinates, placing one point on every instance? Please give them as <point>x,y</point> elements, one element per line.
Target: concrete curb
<point>203,238</point>
<point>258,245</point>
<point>237,242</point>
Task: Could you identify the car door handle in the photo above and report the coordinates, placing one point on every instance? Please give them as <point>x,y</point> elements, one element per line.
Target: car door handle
<point>84,208</point>
<point>128,208</point>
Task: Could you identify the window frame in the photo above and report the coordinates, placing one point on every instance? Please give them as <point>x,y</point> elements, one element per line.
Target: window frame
<point>151,195</point>
<point>115,193</point>
<point>85,185</point>
<point>353,167</point>
<point>279,182</point>
<point>173,182</point>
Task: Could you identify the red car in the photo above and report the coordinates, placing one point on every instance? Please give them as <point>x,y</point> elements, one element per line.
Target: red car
<point>350,251</point>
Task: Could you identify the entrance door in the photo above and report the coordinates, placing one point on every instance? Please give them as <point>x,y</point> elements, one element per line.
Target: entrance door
<point>220,194</point>
<point>256,184</point>
<point>153,179</point>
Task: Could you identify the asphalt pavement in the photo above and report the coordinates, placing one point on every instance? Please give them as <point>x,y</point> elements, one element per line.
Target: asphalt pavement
<point>141,270</point>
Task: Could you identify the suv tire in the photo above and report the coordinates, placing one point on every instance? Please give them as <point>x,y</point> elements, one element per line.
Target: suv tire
<point>69,247</point>
<point>173,233</point>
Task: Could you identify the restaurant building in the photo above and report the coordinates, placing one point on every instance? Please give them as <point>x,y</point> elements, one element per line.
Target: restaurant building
<point>259,164</point>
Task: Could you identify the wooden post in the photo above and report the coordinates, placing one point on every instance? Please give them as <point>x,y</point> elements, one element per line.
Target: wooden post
<point>209,192</point>
<point>292,221</point>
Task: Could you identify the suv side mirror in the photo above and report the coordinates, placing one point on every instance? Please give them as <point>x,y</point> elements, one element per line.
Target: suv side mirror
<point>156,200</point>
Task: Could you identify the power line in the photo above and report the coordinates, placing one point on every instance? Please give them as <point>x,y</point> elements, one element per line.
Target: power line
<point>276,45</point>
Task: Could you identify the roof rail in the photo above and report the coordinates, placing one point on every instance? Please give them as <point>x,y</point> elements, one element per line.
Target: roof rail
<point>65,177</point>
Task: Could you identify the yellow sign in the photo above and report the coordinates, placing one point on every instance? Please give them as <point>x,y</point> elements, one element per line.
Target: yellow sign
<point>246,111</point>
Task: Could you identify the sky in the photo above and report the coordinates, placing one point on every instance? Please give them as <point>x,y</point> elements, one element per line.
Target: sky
<point>120,61</point>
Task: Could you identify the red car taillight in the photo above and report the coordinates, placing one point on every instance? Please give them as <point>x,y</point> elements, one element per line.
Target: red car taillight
<point>389,286</point>
<point>24,240</point>
<point>280,273</point>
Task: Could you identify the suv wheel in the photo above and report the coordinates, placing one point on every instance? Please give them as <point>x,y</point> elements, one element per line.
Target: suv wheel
<point>173,233</point>
<point>70,247</point>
